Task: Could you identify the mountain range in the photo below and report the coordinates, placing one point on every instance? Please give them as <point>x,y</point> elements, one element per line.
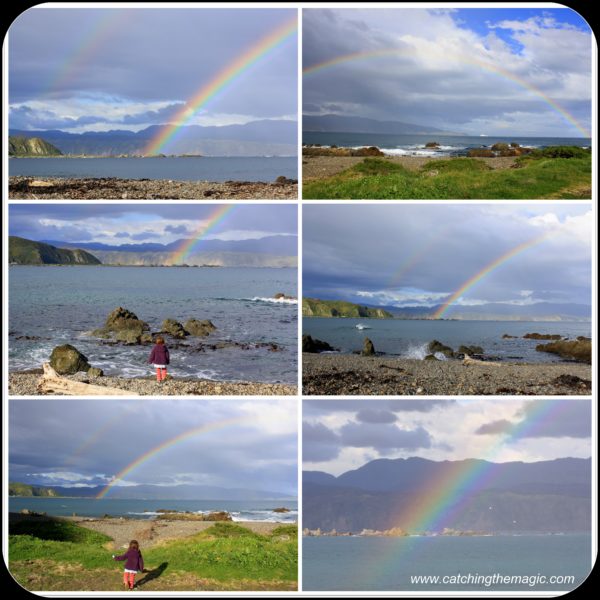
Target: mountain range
<point>266,137</point>
<point>343,124</point>
<point>27,252</point>
<point>157,492</point>
<point>544,496</point>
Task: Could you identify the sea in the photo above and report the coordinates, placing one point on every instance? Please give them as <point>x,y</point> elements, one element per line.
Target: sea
<point>407,338</point>
<point>414,145</point>
<point>53,305</point>
<point>387,564</point>
<point>240,510</point>
<point>184,168</point>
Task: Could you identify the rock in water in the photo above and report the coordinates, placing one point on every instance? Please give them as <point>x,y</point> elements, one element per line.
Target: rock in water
<point>173,328</point>
<point>67,360</point>
<point>199,328</point>
<point>315,346</point>
<point>436,346</point>
<point>579,349</point>
<point>470,350</point>
<point>368,348</point>
<point>122,319</point>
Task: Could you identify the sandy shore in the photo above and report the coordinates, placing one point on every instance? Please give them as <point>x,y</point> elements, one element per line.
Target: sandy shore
<point>318,167</point>
<point>28,188</point>
<point>148,532</point>
<point>25,384</point>
<point>342,374</point>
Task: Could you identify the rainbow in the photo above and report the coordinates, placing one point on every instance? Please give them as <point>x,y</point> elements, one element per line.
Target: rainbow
<point>90,43</point>
<point>440,499</point>
<point>222,81</point>
<point>182,437</point>
<point>472,281</point>
<point>206,225</point>
<point>493,68</point>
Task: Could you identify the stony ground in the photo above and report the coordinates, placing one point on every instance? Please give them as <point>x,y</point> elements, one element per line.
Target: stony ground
<point>29,188</point>
<point>341,374</point>
<point>318,167</point>
<point>26,384</point>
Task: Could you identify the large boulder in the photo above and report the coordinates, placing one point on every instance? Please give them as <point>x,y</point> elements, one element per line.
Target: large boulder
<point>67,360</point>
<point>314,346</point>
<point>369,151</point>
<point>122,319</point>
<point>579,349</point>
<point>432,145</point>
<point>95,372</point>
<point>173,328</point>
<point>436,346</point>
<point>199,328</point>
<point>368,348</point>
<point>282,296</point>
<point>470,350</point>
<point>500,146</point>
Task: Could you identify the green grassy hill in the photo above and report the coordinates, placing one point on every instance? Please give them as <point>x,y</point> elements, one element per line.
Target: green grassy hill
<point>28,252</point>
<point>561,172</point>
<point>24,489</point>
<point>45,554</point>
<point>311,307</point>
<point>22,146</point>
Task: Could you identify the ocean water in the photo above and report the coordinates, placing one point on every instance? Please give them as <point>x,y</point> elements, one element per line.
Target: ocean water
<point>240,510</point>
<point>209,168</point>
<point>60,305</point>
<point>414,145</point>
<point>410,338</point>
<point>387,564</point>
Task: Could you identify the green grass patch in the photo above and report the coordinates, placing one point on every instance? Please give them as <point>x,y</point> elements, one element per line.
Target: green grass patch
<point>459,178</point>
<point>59,531</point>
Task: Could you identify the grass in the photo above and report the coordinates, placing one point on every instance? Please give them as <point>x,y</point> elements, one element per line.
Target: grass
<point>45,555</point>
<point>550,173</point>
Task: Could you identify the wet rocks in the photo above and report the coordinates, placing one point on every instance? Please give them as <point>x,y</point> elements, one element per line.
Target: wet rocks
<point>199,328</point>
<point>173,328</point>
<point>67,360</point>
<point>282,296</point>
<point>314,346</point>
<point>470,350</point>
<point>95,372</point>
<point>369,151</point>
<point>579,350</point>
<point>542,336</point>
<point>368,348</point>
<point>507,336</point>
<point>124,326</point>
<point>436,346</point>
<point>432,145</point>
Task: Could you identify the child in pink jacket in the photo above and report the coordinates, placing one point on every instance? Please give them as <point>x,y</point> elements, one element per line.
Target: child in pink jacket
<point>134,563</point>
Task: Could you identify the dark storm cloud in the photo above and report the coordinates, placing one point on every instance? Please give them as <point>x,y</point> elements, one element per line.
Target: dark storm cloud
<point>383,437</point>
<point>442,69</point>
<point>176,229</point>
<point>494,428</point>
<point>149,55</point>
<point>406,254</point>
<point>83,442</point>
<point>319,443</point>
<point>371,415</point>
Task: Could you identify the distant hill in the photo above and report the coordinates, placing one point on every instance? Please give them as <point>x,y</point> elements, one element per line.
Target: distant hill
<point>171,492</point>
<point>545,496</point>
<point>24,489</point>
<point>342,124</point>
<point>270,251</point>
<point>28,252</point>
<point>312,307</point>
<point>30,146</point>
<point>265,137</point>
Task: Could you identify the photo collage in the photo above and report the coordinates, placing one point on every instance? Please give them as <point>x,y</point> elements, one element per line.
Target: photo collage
<point>299,299</point>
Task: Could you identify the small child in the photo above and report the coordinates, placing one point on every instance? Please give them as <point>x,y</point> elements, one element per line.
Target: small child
<point>159,357</point>
<point>134,563</point>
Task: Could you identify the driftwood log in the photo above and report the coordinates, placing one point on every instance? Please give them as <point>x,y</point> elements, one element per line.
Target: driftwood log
<point>467,360</point>
<point>52,383</point>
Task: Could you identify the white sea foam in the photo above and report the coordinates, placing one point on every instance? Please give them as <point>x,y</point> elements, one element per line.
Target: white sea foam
<point>420,352</point>
<point>362,326</point>
<point>273,300</point>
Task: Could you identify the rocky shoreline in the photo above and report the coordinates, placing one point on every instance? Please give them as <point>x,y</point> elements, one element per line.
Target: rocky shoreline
<point>349,374</point>
<point>26,384</point>
<point>112,188</point>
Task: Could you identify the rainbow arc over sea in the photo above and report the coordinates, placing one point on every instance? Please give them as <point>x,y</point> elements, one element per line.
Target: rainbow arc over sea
<point>458,58</point>
<point>165,445</point>
<point>221,82</point>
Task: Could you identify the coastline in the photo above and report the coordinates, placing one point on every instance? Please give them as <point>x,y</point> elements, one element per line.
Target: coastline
<point>349,374</point>
<point>26,384</point>
<point>112,188</point>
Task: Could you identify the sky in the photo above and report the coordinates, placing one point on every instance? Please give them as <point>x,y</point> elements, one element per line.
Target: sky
<point>117,224</point>
<point>86,443</point>
<point>418,255</point>
<point>511,71</point>
<point>340,435</point>
<point>92,69</point>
